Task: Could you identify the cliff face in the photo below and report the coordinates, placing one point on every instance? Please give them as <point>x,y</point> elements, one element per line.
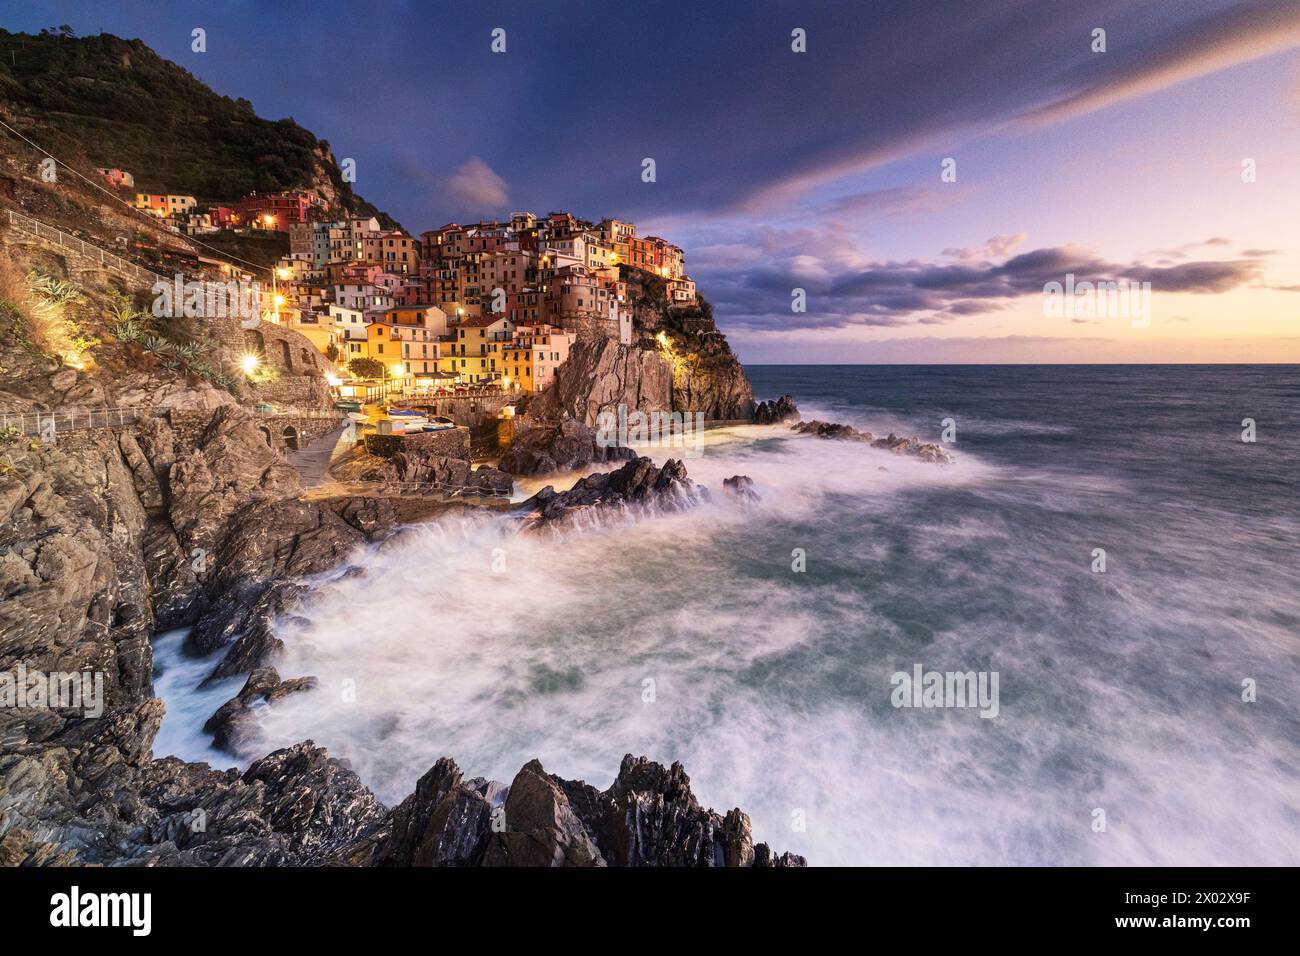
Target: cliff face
<point>601,374</point>
<point>679,361</point>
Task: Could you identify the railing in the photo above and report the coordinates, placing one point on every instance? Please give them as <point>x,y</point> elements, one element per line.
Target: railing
<point>51,424</point>
<point>301,413</point>
<point>105,258</point>
<point>423,487</point>
<point>411,395</point>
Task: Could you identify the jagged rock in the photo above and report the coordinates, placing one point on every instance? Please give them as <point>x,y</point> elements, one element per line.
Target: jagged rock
<point>777,412</point>
<point>638,483</point>
<point>926,451</point>
<point>442,824</point>
<point>831,430</point>
<point>541,828</point>
<point>598,376</point>
<point>550,447</point>
<point>231,724</point>
<point>742,486</point>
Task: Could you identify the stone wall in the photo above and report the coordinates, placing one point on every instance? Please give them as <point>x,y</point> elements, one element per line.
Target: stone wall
<point>452,443</point>
<point>467,410</point>
<point>282,432</point>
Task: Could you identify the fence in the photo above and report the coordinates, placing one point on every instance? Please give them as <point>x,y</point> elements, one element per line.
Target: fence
<point>50,424</point>
<point>65,241</point>
<point>109,260</point>
<point>421,487</point>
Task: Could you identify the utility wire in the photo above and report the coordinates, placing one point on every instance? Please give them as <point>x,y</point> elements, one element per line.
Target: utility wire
<point>152,220</point>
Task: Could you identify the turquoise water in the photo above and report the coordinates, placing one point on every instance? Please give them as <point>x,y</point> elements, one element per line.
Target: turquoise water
<point>690,637</point>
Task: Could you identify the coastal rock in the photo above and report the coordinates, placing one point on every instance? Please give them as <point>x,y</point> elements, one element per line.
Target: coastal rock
<point>599,375</point>
<point>926,451</point>
<point>742,486</point>
<point>550,447</point>
<point>541,828</point>
<point>777,412</point>
<point>833,430</point>
<point>413,463</point>
<point>443,823</point>
<point>638,483</point>
<point>648,817</point>
<point>231,724</point>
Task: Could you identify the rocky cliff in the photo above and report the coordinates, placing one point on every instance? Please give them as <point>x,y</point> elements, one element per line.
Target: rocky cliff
<point>678,361</point>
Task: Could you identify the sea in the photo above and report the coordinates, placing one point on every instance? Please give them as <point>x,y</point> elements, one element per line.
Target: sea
<point>1117,544</point>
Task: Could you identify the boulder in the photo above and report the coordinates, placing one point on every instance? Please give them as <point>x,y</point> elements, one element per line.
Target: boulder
<point>639,483</point>
<point>777,412</point>
<point>548,447</point>
<point>742,486</point>
<point>231,725</point>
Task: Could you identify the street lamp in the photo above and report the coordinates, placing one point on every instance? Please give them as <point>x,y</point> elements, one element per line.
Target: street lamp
<point>249,364</point>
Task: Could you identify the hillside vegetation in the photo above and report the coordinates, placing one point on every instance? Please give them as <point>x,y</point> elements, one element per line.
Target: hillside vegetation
<point>115,103</point>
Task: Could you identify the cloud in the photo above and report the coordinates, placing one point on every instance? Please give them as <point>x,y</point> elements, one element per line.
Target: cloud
<point>845,294</point>
<point>994,248</point>
<point>1216,41</point>
<point>474,187</point>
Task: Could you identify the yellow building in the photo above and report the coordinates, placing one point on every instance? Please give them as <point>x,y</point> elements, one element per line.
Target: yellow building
<point>476,354</point>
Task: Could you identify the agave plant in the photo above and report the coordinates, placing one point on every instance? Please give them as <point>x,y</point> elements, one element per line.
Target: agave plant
<point>51,292</point>
<point>128,332</point>
<point>156,344</point>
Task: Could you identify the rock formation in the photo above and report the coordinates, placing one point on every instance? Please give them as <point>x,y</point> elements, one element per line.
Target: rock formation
<point>639,483</point>
<point>549,447</point>
<point>777,412</point>
<point>926,451</point>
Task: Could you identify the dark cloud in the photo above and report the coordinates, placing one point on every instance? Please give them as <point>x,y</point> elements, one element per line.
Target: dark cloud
<point>712,92</point>
<point>930,293</point>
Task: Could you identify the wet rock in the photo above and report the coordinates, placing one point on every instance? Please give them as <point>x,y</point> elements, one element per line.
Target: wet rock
<point>639,483</point>
<point>777,412</point>
<point>551,447</point>
<point>742,486</point>
<point>232,723</point>
<point>833,430</point>
<point>541,828</point>
<point>926,451</point>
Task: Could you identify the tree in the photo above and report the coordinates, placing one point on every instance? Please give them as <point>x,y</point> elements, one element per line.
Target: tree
<point>366,368</point>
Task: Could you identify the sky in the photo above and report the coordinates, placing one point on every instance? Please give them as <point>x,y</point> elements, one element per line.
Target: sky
<point>1171,157</point>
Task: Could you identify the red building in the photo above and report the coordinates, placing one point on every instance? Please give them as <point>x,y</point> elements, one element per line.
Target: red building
<point>277,212</point>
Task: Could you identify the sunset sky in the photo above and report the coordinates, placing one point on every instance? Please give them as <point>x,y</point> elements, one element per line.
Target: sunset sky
<point>821,170</point>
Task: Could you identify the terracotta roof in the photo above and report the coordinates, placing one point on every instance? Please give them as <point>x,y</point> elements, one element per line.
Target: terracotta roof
<point>481,321</point>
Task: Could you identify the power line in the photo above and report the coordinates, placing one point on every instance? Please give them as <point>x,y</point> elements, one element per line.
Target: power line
<point>152,220</point>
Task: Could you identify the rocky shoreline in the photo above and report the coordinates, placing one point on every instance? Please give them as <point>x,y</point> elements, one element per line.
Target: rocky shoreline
<point>121,534</point>
<point>125,534</point>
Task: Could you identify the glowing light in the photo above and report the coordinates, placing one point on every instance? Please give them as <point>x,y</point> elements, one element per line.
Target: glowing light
<point>279,300</point>
<point>249,364</point>
<point>283,272</point>
<point>269,219</point>
<point>397,368</point>
<point>333,380</point>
